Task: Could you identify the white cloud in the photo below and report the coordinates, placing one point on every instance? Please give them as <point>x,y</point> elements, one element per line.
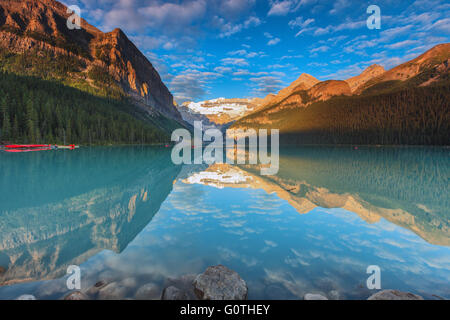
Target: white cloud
<point>232,8</point>
<point>273,41</point>
<point>191,85</point>
<point>320,49</point>
<point>442,25</point>
<point>285,7</point>
<point>339,5</point>
<point>281,8</point>
<point>401,44</point>
<point>172,16</point>
<point>235,61</point>
<point>300,22</point>
<point>317,64</point>
<point>266,84</point>
<point>223,70</point>
<point>228,29</point>
<point>244,53</point>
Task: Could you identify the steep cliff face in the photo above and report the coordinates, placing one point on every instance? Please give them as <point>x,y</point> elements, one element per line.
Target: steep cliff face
<point>134,72</point>
<point>41,25</point>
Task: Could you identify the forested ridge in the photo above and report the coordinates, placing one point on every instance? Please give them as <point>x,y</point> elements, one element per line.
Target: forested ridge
<point>46,98</point>
<point>45,111</point>
<point>407,115</point>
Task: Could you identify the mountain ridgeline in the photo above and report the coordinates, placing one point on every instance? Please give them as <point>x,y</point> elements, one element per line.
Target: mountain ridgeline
<point>83,85</point>
<point>407,105</point>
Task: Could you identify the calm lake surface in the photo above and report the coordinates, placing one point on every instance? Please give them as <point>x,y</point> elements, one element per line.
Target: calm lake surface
<point>128,215</point>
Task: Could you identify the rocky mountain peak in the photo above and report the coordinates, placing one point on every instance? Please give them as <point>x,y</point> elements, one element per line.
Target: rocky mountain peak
<point>41,25</point>
<point>304,82</point>
<point>307,79</point>
<point>368,74</point>
<point>373,69</point>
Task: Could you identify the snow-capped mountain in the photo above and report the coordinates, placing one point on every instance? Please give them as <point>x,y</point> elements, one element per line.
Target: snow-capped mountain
<point>218,112</point>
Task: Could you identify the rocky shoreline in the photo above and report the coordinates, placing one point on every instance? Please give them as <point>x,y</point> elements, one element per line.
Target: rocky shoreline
<point>216,283</point>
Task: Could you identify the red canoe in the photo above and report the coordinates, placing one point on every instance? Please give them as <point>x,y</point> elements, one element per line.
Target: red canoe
<point>27,146</point>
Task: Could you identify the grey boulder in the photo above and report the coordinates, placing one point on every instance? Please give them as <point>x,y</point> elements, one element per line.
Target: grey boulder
<point>149,291</point>
<point>76,295</point>
<point>93,291</point>
<point>220,283</point>
<point>394,295</point>
<point>112,291</point>
<point>314,296</point>
<point>173,293</point>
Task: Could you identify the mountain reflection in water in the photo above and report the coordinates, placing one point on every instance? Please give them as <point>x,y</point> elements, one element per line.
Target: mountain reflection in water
<point>64,208</point>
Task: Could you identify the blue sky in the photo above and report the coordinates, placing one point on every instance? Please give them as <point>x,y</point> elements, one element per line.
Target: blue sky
<point>205,49</point>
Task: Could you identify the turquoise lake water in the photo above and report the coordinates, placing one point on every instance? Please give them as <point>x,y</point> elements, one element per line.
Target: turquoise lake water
<point>128,215</point>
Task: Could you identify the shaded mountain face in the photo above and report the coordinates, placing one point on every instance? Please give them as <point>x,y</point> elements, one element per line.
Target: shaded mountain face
<point>41,26</point>
<point>375,107</point>
<point>432,65</point>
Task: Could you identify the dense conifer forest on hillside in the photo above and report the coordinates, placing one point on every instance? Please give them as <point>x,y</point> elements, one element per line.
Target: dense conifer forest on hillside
<point>409,116</point>
<point>46,98</point>
<point>45,111</point>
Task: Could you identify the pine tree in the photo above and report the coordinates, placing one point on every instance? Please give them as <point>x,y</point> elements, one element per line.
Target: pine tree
<point>15,134</point>
<point>31,121</point>
<point>6,125</point>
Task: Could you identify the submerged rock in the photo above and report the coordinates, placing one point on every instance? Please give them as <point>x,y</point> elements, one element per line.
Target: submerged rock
<point>93,291</point>
<point>76,295</point>
<point>314,296</point>
<point>181,288</point>
<point>149,291</point>
<point>220,283</point>
<point>394,295</point>
<point>185,282</point>
<point>112,291</point>
<point>173,293</point>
